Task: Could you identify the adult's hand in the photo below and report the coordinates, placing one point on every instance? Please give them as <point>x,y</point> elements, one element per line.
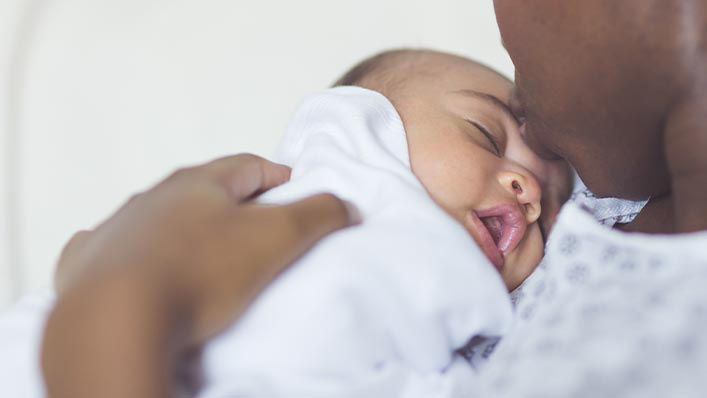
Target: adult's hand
<point>173,267</point>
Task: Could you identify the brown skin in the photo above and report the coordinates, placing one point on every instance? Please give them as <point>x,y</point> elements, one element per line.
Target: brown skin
<point>617,89</point>
<point>170,269</point>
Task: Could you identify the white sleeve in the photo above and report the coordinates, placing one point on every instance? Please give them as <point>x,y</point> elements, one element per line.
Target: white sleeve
<point>21,329</point>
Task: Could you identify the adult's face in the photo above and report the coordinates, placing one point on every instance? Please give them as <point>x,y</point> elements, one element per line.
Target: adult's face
<point>592,88</point>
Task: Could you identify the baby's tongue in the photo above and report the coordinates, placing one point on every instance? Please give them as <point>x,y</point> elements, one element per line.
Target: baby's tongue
<point>495,227</point>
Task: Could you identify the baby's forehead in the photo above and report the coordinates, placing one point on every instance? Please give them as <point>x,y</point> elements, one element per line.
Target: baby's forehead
<point>424,73</point>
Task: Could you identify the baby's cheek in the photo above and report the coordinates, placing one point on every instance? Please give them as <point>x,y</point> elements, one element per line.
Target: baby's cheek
<point>440,179</point>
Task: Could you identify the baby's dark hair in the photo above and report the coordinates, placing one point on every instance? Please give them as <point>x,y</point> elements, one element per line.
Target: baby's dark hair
<point>387,72</point>
<point>381,72</point>
<point>366,68</point>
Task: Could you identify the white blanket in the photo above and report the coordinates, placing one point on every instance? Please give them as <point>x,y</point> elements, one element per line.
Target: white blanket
<point>20,336</point>
<point>374,310</point>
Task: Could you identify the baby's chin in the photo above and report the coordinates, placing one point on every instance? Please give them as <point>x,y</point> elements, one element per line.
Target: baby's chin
<point>523,260</point>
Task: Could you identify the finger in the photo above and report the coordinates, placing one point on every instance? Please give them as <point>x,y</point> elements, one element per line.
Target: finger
<point>294,228</point>
<point>320,215</point>
<point>247,175</point>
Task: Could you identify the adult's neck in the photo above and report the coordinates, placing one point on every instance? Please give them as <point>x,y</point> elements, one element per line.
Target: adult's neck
<point>685,128</point>
<point>686,152</point>
<point>684,209</point>
<point>677,50</point>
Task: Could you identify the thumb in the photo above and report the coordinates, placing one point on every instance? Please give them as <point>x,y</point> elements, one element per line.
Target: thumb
<point>319,215</point>
<point>263,241</point>
<point>294,228</point>
<point>245,175</point>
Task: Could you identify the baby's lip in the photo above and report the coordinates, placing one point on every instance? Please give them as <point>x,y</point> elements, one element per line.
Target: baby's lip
<point>485,241</point>
<point>513,225</point>
<point>507,223</point>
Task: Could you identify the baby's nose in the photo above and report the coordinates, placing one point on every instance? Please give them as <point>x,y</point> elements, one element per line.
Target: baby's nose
<point>526,189</point>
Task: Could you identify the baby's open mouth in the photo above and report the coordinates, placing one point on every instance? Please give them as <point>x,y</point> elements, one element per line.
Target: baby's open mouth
<point>499,229</point>
<point>494,225</point>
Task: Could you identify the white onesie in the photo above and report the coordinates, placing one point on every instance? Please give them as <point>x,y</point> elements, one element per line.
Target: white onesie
<point>374,310</point>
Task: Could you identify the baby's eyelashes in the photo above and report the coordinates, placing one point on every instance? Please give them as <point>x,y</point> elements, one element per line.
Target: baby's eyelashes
<point>490,137</point>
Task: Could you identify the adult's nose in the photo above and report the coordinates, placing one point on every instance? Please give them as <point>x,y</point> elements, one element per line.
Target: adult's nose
<point>516,105</point>
<point>532,137</point>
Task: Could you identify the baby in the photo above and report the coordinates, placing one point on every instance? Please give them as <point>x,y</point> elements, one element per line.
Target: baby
<point>467,150</point>
<point>425,147</point>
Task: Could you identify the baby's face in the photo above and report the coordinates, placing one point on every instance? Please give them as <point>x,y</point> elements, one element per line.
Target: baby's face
<point>467,150</point>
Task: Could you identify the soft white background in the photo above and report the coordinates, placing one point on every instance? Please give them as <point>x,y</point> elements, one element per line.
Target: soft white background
<point>101,98</point>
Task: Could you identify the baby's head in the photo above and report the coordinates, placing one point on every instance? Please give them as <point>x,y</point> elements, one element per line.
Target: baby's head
<point>467,150</point>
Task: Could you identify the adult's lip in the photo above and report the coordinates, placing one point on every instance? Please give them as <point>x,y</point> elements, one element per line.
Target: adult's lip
<point>499,230</point>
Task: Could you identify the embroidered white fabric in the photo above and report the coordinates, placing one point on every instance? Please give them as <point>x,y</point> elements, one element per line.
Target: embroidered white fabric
<point>607,314</point>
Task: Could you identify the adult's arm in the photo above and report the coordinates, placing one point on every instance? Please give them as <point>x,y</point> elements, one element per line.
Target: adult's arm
<point>173,267</point>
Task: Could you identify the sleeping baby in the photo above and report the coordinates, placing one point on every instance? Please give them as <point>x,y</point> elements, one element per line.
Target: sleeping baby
<point>466,148</point>
<point>425,147</point>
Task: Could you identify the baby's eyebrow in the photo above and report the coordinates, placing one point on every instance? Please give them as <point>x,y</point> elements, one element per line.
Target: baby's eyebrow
<point>488,98</point>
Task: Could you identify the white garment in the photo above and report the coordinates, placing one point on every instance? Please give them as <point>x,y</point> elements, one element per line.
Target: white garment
<point>607,314</point>
<point>608,211</point>
<point>21,329</point>
<point>374,310</point>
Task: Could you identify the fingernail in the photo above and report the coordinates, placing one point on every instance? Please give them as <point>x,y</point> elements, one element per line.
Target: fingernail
<point>354,214</point>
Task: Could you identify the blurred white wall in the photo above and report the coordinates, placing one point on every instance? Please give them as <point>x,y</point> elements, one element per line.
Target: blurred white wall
<point>110,95</point>
<point>12,14</point>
